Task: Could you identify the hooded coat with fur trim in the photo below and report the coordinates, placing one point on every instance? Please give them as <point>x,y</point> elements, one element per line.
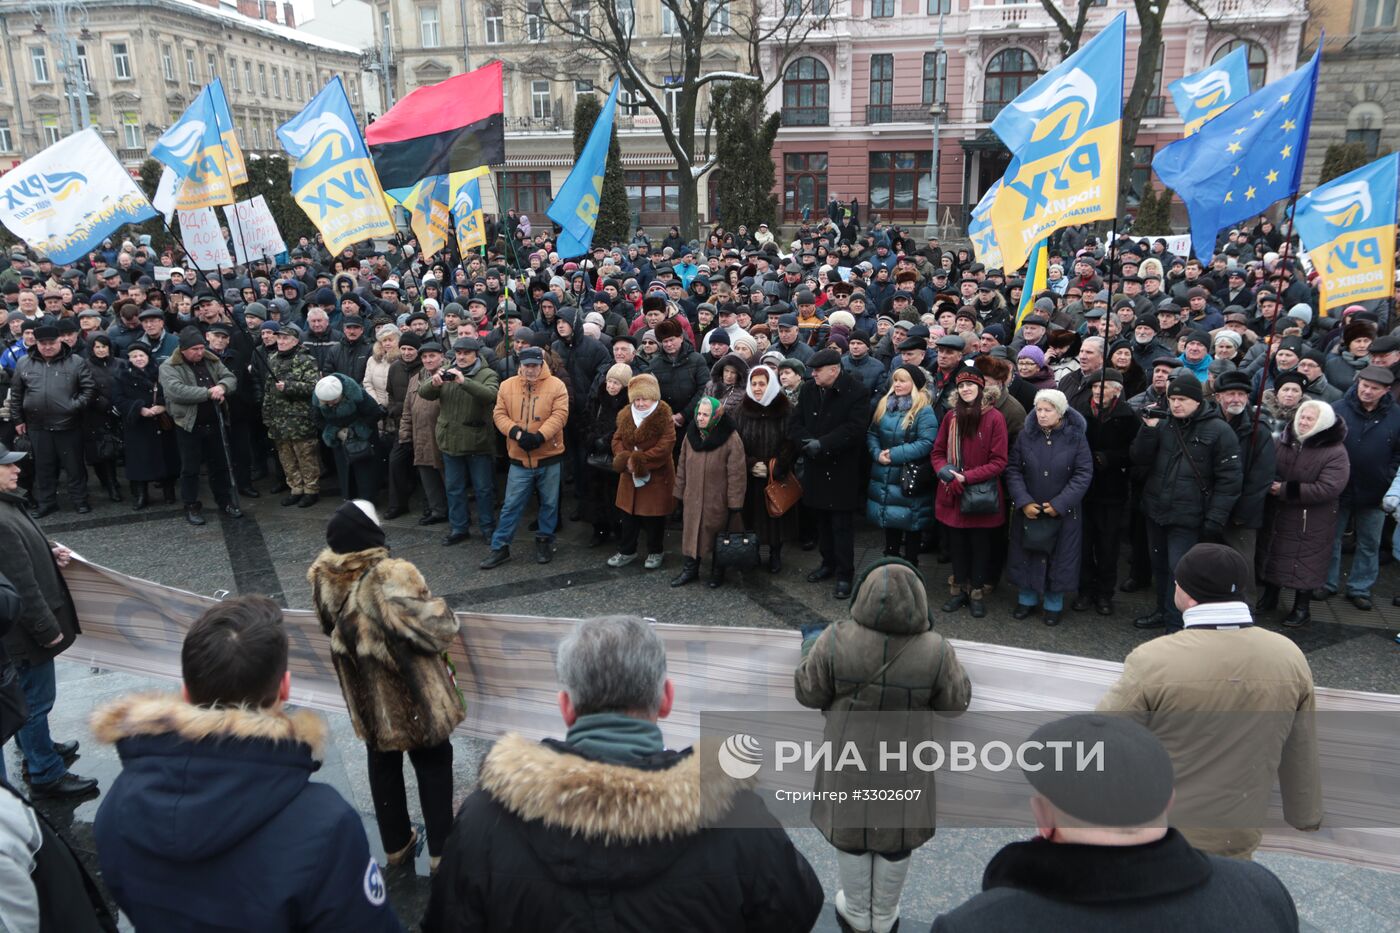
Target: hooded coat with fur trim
<point>215,819</point>
<point>387,635</point>
<point>555,839</point>
<point>843,672</point>
<point>1314,471</point>
<point>647,449</point>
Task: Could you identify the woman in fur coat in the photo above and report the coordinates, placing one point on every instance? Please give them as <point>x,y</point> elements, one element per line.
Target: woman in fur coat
<point>642,447</point>
<point>389,638</point>
<point>761,423</point>
<point>710,484</point>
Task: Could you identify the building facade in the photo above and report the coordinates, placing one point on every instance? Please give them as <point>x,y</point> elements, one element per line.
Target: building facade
<point>131,67</point>
<point>1358,90</point>
<point>859,107</point>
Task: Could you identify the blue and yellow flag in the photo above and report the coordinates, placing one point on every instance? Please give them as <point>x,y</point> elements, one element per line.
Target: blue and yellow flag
<point>193,150</point>
<point>575,208</point>
<point>1064,132</point>
<point>332,177</point>
<point>1348,226</point>
<point>1035,280</point>
<point>1211,91</point>
<point>233,153</point>
<point>1245,159</point>
<point>468,216</point>
<point>427,210</point>
<point>979,230</point>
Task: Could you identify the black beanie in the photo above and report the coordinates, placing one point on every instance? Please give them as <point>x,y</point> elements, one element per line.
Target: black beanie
<point>351,529</point>
<point>190,338</point>
<point>1213,573</point>
<point>916,375</point>
<point>1187,385</point>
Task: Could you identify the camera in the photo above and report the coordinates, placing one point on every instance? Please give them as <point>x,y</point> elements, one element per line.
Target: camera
<point>1156,413</point>
<point>449,377</point>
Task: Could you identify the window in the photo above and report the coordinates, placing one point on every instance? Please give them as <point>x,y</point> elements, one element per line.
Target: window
<point>717,13</point>
<point>936,7</point>
<point>626,16</point>
<point>191,71</point>
<point>900,182</point>
<point>248,76</point>
<point>121,61</point>
<point>541,103</point>
<point>525,192</point>
<point>1140,174</point>
<point>579,14</point>
<point>167,63</point>
<point>429,32</point>
<point>935,78</point>
<point>233,72</point>
<point>806,90</point>
<point>668,22</point>
<point>300,94</point>
<point>534,23</point>
<point>1258,61</point>
<point>672,97</point>
<point>629,99</point>
<point>796,9</point>
<point>881,9</point>
<point>583,87</point>
<point>52,134</point>
<point>276,82</point>
<point>881,89</point>
<point>83,67</point>
<point>654,191</point>
<point>7,143</point>
<point>1009,73</point>
<point>1369,138</point>
<point>132,137</point>
<point>287,81</point>
<point>495,26</point>
<point>1376,14</point>
<point>262,79</point>
<point>211,65</point>
<point>39,60</point>
<point>804,183</point>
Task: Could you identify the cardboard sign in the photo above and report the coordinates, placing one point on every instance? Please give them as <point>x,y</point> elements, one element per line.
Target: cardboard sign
<point>253,231</point>
<point>203,239</point>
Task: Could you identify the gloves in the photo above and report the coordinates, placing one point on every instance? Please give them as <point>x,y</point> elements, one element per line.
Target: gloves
<point>515,433</point>
<point>1390,504</point>
<point>1213,531</point>
<point>529,440</point>
<point>812,447</point>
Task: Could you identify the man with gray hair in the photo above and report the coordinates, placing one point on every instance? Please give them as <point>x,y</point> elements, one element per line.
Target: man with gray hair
<point>611,825</point>
<point>1075,385</point>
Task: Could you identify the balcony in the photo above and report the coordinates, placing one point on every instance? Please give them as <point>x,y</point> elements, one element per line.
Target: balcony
<point>896,113</point>
<point>1005,17</point>
<point>806,116</point>
<point>1155,108</point>
<point>990,109</point>
<point>1252,11</point>
<point>131,155</point>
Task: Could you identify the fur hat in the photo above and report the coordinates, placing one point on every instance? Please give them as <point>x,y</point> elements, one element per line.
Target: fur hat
<point>654,303</point>
<point>1356,330</point>
<point>1054,397</point>
<point>992,368</point>
<point>842,318</point>
<point>643,385</point>
<point>667,329</point>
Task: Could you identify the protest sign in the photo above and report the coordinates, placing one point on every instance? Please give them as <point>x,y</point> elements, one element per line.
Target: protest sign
<point>254,231</point>
<point>203,239</point>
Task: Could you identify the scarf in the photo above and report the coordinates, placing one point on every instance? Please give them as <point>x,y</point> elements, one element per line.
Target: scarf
<point>639,416</point>
<point>716,413</point>
<point>770,392</point>
<point>1228,615</point>
<point>899,403</point>
<point>615,738</point>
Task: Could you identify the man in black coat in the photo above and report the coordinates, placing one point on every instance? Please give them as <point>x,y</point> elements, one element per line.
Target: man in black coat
<point>352,353</point>
<point>679,370</point>
<point>829,426</point>
<point>583,356</point>
<point>51,388</point>
<point>1232,393</point>
<point>1104,858</point>
<point>604,825</point>
<point>1112,425</point>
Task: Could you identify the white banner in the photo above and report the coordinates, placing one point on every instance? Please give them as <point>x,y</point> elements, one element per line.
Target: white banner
<point>1178,245</point>
<point>253,230</point>
<point>204,240</point>
<point>66,199</point>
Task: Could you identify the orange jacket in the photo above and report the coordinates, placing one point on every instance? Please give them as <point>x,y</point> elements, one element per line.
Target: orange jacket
<point>542,408</point>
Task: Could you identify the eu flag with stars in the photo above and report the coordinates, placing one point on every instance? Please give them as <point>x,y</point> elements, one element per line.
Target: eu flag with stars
<point>1245,159</point>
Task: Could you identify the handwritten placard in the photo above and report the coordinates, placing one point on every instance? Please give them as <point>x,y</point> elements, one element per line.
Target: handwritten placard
<point>203,239</point>
<point>254,231</point>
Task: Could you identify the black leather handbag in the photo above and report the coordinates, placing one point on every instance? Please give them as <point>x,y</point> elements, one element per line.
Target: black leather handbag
<point>1039,535</point>
<point>737,550</point>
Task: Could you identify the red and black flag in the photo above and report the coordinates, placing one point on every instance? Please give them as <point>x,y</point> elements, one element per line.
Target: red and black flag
<point>442,128</point>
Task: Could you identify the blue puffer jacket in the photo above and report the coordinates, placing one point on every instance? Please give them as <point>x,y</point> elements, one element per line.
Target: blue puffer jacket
<point>1373,445</point>
<point>886,505</point>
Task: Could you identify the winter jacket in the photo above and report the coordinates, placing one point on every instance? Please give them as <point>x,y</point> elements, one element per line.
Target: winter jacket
<point>418,426</point>
<point>836,418</point>
<point>730,396</point>
<point>388,634</point>
<point>1054,467</point>
<point>43,885</point>
<point>1340,369</point>
<point>350,358</point>
<point>556,838</point>
<point>355,413</point>
<point>1166,885</point>
<point>27,560</point>
<point>1314,472</point>
<point>648,449</point>
<point>400,373</point>
<point>982,458</point>
<point>52,394</point>
<point>162,348</point>
<point>376,380</point>
<point>323,348</point>
<point>287,411</point>
<point>184,394</point>
<point>682,379</point>
<point>886,505</point>
<point>889,613</point>
<point>582,356</point>
<point>464,417</point>
<point>207,795</point>
<point>1257,470</point>
<point>539,408</point>
<point>1226,769</point>
<point>1194,474</point>
<point>1373,448</point>
<point>1110,433</point>
<point>150,452</point>
<point>711,480</point>
<point>868,370</point>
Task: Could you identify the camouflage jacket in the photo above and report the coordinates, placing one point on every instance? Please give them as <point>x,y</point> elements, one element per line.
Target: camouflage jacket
<point>287,411</point>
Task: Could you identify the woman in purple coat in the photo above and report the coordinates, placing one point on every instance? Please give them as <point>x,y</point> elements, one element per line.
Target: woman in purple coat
<point>1047,475</point>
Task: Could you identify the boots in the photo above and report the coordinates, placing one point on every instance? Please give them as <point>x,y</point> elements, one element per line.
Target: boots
<point>1268,600</point>
<point>853,900</point>
<point>1302,600</point>
<point>690,571</point>
<point>716,576</point>
<point>887,883</point>
<point>107,474</point>
<point>138,495</point>
<point>167,490</point>
<point>959,597</point>
<point>775,558</point>
<point>975,603</point>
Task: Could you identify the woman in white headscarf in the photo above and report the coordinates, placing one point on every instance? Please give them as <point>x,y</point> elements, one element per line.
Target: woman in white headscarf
<point>761,420</point>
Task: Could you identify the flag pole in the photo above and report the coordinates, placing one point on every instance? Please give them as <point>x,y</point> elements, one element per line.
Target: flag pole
<point>1273,329</point>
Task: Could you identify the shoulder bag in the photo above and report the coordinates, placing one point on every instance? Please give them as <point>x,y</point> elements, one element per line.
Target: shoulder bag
<point>916,477</point>
<point>977,498</point>
<point>780,495</point>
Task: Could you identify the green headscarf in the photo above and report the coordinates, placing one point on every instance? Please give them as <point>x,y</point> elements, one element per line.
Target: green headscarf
<point>716,413</point>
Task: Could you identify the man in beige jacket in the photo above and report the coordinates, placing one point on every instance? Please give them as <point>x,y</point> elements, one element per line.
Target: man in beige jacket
<point>1232,703</point>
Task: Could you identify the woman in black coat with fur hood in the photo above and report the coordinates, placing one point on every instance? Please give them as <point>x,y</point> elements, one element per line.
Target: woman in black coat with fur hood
<point>151,454</point>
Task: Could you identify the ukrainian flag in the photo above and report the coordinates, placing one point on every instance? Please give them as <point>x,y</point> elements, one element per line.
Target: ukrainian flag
<point>1035,281</point>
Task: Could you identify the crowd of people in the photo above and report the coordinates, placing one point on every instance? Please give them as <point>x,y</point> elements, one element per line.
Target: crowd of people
<point>1144,402</point>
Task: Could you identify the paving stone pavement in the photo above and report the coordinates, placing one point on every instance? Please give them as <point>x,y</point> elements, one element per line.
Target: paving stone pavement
<point>268,552</point>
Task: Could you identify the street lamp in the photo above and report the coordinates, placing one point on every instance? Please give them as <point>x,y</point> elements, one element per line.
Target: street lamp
<point>935,110</point>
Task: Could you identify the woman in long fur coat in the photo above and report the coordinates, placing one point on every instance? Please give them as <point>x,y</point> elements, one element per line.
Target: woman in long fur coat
<point>642,447</point>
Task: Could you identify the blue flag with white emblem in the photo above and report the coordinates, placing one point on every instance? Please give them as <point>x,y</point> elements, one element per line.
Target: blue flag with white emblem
<point>1211,91</point>
<point>575,209</point>
<point>1245,159</point>
<point>1348,225</point>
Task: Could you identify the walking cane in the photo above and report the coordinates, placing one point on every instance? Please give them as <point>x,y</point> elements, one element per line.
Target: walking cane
<point>228,458</point>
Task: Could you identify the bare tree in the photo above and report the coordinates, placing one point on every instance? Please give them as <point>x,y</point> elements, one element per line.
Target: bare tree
<point>575,35</point>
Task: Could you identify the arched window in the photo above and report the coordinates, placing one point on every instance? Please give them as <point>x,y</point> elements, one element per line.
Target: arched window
<point>1009,73</point>
<point>1258,61</point>
<point>806,86</point>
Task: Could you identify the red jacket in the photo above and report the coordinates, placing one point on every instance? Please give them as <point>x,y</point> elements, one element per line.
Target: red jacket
<point>983,458</point>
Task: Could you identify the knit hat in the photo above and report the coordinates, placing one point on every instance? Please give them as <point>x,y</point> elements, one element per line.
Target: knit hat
<point>1292,376</point>
<point>190,338</point>
<point>643,385</point>
<point>256,309</point>
<point>1186,385</point>
<point>916,374</point>
<point>620,373</point>
<point>1213,573</point>
<point>794,364</point>
<point>329,390</point>
<point>354,527</point>
<point>1035,354</point>
<point>744,340</point>
<point>1302,312</point>
<point>1229,337</point>
<point>1132,788</point>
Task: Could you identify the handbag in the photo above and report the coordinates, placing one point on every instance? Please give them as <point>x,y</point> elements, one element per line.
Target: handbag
<point>1039,535</point>
<point>916,477</point>
<point>780,495</point>
<point>977,498</point>
<point>736,549</point>
<point>357,449</point>
<point>602,462</point>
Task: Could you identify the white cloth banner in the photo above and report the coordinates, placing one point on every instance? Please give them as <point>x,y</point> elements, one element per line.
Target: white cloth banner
<point>66,199</point>
<point>204,240</point>
<point>253,230</point>
<point>1177,245</point>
